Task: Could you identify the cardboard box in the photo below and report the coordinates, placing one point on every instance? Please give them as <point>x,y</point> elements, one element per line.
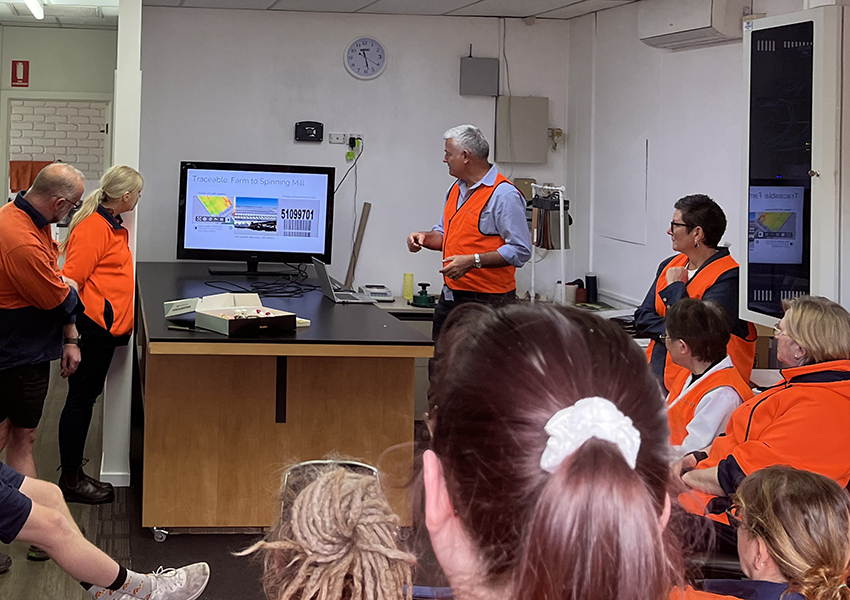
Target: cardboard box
<point>217,313</point>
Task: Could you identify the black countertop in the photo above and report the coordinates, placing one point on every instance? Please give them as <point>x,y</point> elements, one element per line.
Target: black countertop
<point>330,323</point>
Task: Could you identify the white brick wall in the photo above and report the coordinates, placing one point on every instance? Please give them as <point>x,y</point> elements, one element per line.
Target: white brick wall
<point>58,130</point>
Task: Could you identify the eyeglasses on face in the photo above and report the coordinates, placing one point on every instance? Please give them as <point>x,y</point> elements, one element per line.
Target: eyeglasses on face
<point>733,514</point>
<point>74,205</point>
<point>674,224</point>
<point>664,337</point>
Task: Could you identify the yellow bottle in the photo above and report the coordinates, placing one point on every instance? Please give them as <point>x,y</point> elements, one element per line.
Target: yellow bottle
<point>407,288</point>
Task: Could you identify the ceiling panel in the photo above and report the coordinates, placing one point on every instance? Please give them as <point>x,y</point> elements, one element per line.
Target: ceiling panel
<point>415,7</point>
<point>582,8</point>
<point>511,8</point>
<point>247,4</point>
<point>346,6</point>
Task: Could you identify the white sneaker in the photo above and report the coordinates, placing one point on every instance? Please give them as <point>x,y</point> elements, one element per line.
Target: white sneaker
<point>185,583</point>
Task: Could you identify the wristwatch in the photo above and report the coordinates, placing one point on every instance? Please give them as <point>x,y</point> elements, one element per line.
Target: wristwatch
<point>477,258</point>
<point>72,341</point>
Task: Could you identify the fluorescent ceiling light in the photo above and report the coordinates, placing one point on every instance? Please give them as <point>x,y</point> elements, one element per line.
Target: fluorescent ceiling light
<point>36,8</point>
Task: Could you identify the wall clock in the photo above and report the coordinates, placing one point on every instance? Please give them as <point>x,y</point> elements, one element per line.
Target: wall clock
<point>365,58</point>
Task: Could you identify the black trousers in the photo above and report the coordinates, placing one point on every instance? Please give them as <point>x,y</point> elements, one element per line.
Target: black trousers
<point>84,387</point>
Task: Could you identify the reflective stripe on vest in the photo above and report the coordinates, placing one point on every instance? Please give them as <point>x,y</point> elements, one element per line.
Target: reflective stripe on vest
<point>741,351</point>
<point>680,414</point>
<point>462,236</point>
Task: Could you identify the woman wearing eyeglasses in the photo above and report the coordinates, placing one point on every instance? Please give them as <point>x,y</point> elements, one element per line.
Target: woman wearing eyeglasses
<point>699,270</point>
<point>547,477</point>
<point>793,537</point>
<point>803,421</point>
<point>703,396</point>
<point>98,258</point>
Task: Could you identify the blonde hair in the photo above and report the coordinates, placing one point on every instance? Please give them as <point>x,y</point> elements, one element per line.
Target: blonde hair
<point>338,540</point>
<point>820,326</point>
<point>117,181</point>
<point>804,520</point>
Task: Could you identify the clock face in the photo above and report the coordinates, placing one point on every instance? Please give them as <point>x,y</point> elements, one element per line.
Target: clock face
<point>365,58</point>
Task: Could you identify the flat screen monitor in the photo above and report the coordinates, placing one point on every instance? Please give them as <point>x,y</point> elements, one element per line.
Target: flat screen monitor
<point>780,157</point>
<point>255,213</point>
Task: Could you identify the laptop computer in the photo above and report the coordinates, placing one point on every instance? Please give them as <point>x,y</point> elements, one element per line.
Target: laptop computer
<point>341,296</point>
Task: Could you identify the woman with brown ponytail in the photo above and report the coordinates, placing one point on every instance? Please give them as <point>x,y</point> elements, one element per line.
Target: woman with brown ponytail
<point>793,537</point>
<point>98,258</point>
<point>547,477</point>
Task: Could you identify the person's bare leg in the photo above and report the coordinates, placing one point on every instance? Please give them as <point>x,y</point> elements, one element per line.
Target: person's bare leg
<point>19,451</point>
<point>48,495</point>
<point>50,530</point>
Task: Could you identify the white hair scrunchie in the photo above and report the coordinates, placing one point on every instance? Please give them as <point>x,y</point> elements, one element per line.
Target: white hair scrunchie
<point>591,417</point>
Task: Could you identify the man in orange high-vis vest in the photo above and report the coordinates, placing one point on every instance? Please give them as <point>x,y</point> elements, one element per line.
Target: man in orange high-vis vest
<point>483,233</point>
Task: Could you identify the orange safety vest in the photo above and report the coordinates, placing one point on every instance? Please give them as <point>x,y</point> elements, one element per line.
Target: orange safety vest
<point>680,414</point>
<point>799,422</point>
<point>741,351</point>
<point>462,236</point>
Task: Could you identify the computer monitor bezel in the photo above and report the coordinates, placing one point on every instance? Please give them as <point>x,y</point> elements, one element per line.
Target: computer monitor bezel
<point>248,255</point>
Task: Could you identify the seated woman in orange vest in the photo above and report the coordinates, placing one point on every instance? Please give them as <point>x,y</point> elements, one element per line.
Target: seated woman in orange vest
<point>793,537</point>
<point>98,258</point>
<point>802,422</point>
<point>699,270</point>
<point>705,394</point>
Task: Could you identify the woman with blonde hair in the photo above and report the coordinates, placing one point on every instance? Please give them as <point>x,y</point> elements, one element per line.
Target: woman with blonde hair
<point>98,259</point>
<point>335,538</point>
<point>802,421</point>
<point>793,537</point>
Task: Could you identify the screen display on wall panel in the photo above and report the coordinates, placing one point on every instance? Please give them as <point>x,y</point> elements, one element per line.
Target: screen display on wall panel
<point>778,250</point>
<point>249,212</point>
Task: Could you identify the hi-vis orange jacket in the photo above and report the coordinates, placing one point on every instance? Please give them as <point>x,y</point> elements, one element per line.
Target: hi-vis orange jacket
<point>99,260</point>
<point>802,422</point>
<point>742,351</point>
<point>681,410</point>
<point>463,236</point>
<point>689,593</point>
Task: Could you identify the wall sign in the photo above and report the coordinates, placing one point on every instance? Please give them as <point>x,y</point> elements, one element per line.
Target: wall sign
<point>20,73</point>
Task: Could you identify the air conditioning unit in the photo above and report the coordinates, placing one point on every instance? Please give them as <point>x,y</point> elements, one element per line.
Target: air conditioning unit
<point>677,24</point>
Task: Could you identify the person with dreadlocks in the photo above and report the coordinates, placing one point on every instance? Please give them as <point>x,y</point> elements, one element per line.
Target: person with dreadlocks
<point>338,540</point>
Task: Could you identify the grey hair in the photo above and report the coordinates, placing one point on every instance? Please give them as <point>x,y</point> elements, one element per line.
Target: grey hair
<point>57,179</point>
<point>469,138</point>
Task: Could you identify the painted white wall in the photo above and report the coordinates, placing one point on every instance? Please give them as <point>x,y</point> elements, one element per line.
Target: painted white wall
<point>664,124</point>
<point>228,85</point>
<point>61,60</point>
<point>117,400</point>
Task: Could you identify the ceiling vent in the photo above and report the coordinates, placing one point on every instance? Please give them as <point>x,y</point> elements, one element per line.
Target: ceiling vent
<point>51,10</point>
<point>677,24</point>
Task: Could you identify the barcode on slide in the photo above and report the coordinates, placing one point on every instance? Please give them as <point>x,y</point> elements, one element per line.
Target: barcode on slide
<point>295,233</point>
<point>297,225</point>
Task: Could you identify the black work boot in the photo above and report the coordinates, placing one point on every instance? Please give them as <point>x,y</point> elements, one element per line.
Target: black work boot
<point>78,487</point>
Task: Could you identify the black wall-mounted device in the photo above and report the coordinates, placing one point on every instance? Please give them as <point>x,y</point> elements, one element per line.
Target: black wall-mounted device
<point>309,131</point>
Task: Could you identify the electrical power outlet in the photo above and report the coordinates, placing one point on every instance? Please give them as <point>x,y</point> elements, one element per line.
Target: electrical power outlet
<point>337,138</point>
<point>354,135</point>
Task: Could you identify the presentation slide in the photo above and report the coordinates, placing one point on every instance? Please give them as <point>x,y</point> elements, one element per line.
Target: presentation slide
<point>776,225</point>
<point>256,211</point>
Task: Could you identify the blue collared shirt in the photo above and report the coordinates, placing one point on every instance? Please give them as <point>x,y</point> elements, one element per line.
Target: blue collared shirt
<point>504,215</point>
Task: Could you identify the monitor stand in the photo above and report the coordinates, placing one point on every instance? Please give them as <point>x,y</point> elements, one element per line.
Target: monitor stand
<point>253,271</point>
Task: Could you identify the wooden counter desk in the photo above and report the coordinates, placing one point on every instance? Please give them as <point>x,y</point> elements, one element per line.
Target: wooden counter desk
<point>224,415</point>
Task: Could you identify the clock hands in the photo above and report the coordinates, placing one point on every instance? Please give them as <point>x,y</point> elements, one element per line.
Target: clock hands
<point>363,54</point>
